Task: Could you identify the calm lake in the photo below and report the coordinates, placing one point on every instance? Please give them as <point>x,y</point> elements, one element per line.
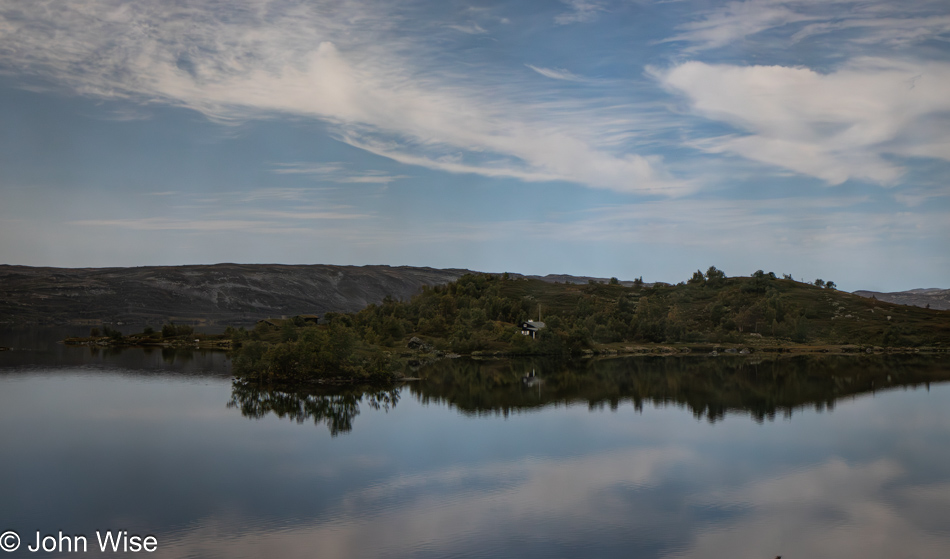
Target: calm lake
<point>706,457</point>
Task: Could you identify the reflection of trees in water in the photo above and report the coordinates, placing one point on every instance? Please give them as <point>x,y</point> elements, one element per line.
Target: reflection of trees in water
<point>172,354</point>
<point>708,387</point>
<point>336,408</point>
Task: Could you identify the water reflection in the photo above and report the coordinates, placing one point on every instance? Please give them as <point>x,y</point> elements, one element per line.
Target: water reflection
<point>486,459</point>
<point>337,408</point>
<point>41,347</point>
<point>618,505</point>
<point>709,388</point>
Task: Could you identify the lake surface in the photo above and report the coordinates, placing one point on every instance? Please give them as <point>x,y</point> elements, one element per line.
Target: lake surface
<point>841,457</point>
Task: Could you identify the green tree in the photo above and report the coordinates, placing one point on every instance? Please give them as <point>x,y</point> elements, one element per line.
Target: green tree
<point>715,277</point>
<point>288,331</point>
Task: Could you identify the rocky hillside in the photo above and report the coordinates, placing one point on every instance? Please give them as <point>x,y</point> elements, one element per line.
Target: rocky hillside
<point>935,298</point>
<point>220,293</point>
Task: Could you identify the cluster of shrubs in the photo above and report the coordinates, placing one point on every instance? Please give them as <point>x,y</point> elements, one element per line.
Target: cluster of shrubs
<point>168,331</point>
<point>293,354</point>
<point>478,312</point>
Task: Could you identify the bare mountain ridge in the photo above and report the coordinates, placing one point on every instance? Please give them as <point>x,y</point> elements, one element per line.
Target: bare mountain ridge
<point>936,298</point>
<point>219,293</point>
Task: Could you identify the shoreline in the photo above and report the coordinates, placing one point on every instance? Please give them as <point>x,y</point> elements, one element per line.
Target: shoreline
<point>104,341</point>
<point>226,344</point>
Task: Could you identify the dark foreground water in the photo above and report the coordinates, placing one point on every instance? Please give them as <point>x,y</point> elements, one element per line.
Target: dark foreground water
<point>691,457</point>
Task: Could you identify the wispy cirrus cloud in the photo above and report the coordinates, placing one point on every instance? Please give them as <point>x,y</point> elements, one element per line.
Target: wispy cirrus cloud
<point>336,172</point>
<point>270,221</point>
<point>471,28</point>
<point>916,197</point>
<point>842,125</point>
<point>559,157</point>
<point>305,214</point>
<point>557,73</point>
<point>874,22</point>
<point>360,67</point>
<point>895,31</point>
<point>580,11</point>
<point>275,193</point>
<point>176,224</point>
<point>791,225</point>
<point>735,21</point>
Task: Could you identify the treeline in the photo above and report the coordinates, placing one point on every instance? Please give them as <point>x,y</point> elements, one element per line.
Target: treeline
<point>289,352</point>
<point>482,313</point>
<point>476,312</point>
<point>168,331</point>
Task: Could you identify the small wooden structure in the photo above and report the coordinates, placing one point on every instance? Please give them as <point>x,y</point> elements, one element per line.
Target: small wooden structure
<point>531,328</point>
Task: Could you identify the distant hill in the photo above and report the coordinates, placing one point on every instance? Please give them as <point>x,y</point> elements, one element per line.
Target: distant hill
<point>936,298</point>
<point>563,278</point>
<point>219,293</point>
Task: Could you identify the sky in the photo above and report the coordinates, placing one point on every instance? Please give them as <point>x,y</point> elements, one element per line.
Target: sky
<point>624,138</point>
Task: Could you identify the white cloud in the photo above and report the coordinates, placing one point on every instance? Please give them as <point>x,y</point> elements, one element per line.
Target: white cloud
<point>255,221</point>
<point>336,172</point>
<point>297,215</point>
<point>557,156</point>
<point>837,126</point>
<point>349,64</point>
<point>471,29</point>
<point>274,193</point>
<point>890,23</point>
<point>175,224</point>
<point>916,197</point>
<point>891,31</point>
<point>734,21</point>
<point>581,11</point>
<point>556,73</point>
<point>447,164</point>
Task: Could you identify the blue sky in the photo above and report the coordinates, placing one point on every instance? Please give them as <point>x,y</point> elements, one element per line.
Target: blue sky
<point>608,138</point>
